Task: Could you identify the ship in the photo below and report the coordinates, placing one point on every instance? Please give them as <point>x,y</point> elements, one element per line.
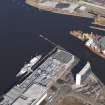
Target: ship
<point>95,43</point>
<point>97,28</point>
<point>27,67</point>
<point>91,9</point>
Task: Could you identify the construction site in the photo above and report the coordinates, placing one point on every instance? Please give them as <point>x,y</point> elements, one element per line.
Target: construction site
<point>86,89</point>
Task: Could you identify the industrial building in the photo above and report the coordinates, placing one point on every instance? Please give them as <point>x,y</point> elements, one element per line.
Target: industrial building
<point>33,90</point>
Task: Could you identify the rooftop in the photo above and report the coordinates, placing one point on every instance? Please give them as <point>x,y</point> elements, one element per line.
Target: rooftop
<point>33,93</point>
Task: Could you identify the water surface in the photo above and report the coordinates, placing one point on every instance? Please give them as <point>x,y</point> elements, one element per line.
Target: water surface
<point>20,27</point>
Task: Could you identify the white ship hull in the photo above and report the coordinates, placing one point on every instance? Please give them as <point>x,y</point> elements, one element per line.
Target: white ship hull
<point>27,67</point>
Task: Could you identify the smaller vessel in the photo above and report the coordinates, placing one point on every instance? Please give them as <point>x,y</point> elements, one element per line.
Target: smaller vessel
<point>27,67</point>
<point>97,28</point>
<point>95,43</point>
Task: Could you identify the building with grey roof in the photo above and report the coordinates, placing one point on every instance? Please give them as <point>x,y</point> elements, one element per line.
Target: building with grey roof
<point>33,90</point>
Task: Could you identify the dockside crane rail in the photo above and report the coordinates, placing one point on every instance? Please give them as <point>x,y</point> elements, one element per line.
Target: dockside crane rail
<point>43,37</point>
